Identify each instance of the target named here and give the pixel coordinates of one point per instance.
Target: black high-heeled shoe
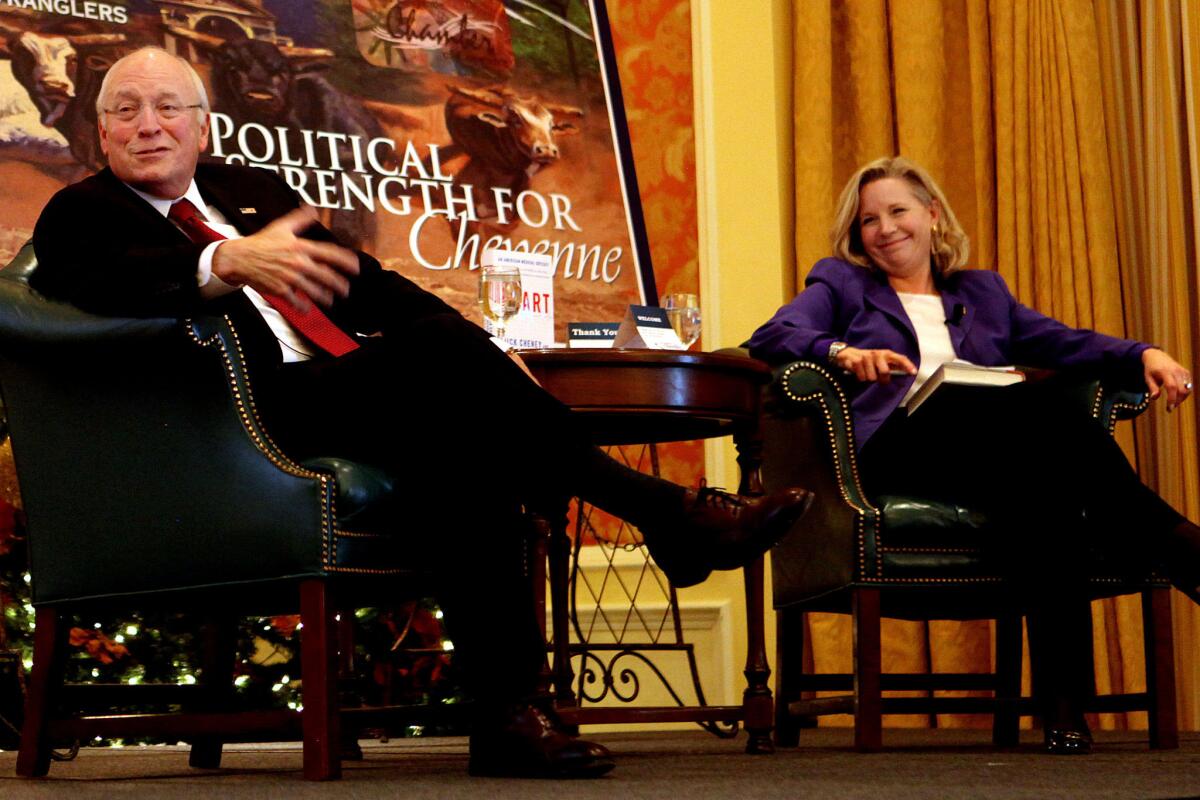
(1067, 742)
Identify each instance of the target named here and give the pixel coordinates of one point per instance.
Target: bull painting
(62, 74)
(507, 138)
(279, 86)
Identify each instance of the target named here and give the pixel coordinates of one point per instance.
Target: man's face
(155, 152)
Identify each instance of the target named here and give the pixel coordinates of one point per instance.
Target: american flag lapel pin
(250, 210)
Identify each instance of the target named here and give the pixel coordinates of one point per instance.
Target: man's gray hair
(197, 83)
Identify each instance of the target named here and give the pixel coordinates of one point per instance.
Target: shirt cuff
(210, 285)
(820, 348)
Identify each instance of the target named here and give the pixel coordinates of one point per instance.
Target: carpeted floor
(672, 766)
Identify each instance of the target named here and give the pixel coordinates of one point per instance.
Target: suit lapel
(259, 338)
(959, 317)
(881, 295)
(142, 215)
(884, 298)
(240, 212)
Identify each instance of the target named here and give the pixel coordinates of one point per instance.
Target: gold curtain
(1038, 117)
(1150, 75)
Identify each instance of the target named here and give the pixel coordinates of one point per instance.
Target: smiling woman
(895, 227)
(895, 305)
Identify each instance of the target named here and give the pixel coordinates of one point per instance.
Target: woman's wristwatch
(834, 349)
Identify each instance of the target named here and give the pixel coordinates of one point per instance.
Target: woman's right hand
(873, 365)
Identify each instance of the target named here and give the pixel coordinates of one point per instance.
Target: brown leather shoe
(718, 530)
(532, 743)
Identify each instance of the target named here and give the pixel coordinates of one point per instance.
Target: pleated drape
(1049, 124)
(1150, 68)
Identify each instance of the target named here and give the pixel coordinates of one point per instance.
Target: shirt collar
(164, 206)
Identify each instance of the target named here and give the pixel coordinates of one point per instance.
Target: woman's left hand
(1165, 374)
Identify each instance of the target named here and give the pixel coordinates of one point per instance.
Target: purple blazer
(844, 302)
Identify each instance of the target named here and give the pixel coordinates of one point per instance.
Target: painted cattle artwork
(280, 86)
(423, 131)
(61, 73)
(508, 139)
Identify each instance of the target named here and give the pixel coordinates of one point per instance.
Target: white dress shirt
(292, 345)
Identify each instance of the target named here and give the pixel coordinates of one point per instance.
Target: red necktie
(313, 324)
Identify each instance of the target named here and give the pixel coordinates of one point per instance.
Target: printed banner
(425, 131)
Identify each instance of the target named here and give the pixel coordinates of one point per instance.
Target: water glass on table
(683, 312)
(499, 295)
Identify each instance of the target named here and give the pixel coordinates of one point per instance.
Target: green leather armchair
(149, 481)
(912, 558)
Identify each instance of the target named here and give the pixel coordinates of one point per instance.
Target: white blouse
(928, 318)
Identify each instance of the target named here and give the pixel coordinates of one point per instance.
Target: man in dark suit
(401, 379)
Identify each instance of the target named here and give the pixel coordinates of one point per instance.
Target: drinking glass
(499, 295)
(683, 312)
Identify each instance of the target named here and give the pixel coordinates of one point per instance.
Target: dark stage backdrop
(425, 131)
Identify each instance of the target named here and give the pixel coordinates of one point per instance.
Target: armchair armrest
(142, 463)
(1115, 401)
(808, 440)
(1110, 397)
(804, 389)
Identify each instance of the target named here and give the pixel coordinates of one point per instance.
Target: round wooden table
(644, 396)
(655, 396)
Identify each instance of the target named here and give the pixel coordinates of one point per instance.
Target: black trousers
(471, 440)
(1054, 479)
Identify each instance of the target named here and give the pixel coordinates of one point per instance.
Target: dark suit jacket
(844, 302)
(105, 250)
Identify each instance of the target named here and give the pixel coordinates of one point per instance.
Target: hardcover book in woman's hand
(964, 373)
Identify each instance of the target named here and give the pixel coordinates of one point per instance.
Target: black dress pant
(1031, 458)
(1056, 482)
(470, 439)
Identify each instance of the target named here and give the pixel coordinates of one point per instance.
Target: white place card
(647, 327)
(591, 334)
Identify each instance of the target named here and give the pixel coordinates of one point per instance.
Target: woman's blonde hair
(949, 247)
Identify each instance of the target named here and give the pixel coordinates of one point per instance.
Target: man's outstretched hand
(277, 261)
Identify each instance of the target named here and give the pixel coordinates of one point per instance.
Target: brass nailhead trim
(248, 413)
(359, 534)
(369, 571)
(933, 580)
(819, 400)
(930, 550)
(1097, 402)
(1111, 423)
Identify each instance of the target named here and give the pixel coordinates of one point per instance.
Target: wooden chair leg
(756, 700)
(49, 645)
(559, 557)
(1160, 668)
(348, 696)
(789, 667)
(318, 670)
(537, 548)
(219, 650)
(1006, 719)
(868, 663)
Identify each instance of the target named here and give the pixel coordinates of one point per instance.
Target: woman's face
(896, 227)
